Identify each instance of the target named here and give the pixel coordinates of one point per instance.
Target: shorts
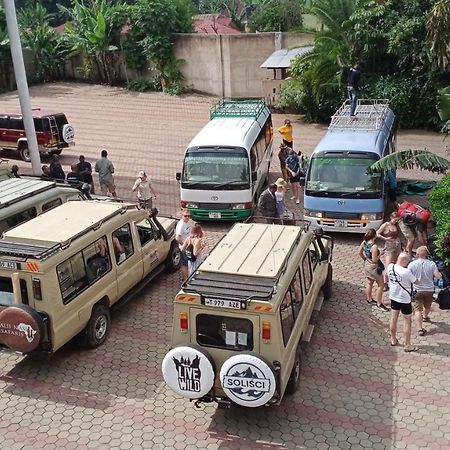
(423, 299)
(421, 226)
(409, 231)
(404, 308)
(107, 186)
(295, 179)
(184, 259)
(145, 204)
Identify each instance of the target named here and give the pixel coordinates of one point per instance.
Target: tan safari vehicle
(239, 319)
(61, 272)
(22, 199)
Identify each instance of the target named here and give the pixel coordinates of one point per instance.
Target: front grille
(342, 215)
(214, 206)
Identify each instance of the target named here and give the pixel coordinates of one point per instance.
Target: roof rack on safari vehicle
(238, 108)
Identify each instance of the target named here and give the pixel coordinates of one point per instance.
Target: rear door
(224, 332)
(150, 243)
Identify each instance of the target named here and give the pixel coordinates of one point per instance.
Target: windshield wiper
(192, 184)
(228, 183)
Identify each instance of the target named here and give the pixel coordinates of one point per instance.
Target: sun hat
(280, 183)
(142, 174)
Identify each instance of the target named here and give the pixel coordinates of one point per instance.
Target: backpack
(190, 253)
(413, 214)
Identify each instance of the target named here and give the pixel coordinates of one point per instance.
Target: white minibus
(226, 165)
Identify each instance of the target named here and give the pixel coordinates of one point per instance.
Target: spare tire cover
(21, 328)
(248, 379)
(189, 371)
(68, 133)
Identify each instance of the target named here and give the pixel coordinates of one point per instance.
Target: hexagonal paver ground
(356, 390)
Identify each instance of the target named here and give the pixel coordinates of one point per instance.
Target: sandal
(411, 349)
(426, 319)
(422, 332)
(369, 302)
(395, 343)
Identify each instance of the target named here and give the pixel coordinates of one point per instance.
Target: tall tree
(438, 32)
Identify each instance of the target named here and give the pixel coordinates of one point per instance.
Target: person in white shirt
(425, 271)
(144, 190)
(182, 232)
(401, 282)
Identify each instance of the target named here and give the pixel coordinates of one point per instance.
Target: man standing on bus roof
(354, 87)
(286, 133)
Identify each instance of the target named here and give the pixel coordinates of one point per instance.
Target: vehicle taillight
(249, 205)
(183, 321)
(266, 331)
(37, 292)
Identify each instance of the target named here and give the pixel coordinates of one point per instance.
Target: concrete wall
(228, 65)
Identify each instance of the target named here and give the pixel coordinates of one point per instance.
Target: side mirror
(178, 176)
(254, 176)
(302, 181)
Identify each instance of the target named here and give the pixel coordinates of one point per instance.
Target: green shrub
(440, 207)
(144, 84)
(412, 99)
(175, 88)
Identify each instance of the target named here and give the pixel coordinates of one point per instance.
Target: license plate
(219, 303)
(215, 215)
(9, 265)
(340, 223)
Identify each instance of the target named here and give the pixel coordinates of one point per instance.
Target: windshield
(216, 168)
(343, 174)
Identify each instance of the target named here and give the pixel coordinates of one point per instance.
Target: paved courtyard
(356, 390)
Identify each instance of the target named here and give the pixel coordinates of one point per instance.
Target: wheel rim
(100, 327)
(26, 154)
(176, 257)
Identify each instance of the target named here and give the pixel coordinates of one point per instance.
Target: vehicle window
(306, 272)
(224, 332)
(60, 120)
(51, 204)
(4, 122)
(21, 217)
(290, 308)
(261, 147)
(123, 243)
(16, 123)
(314, 254)
(6, 291)
(38, 124)
(24, 291)
(83, 269)
(268, 131)
(145, 230)
(253, 158)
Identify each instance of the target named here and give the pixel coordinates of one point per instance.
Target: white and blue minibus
(340, 194)
(226, 165)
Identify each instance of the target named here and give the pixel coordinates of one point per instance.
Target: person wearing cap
(144, 190)
(85, 169)
(105, 169)
(425, 271)
(279, 197)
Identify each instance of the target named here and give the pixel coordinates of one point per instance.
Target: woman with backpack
(193, 247)
(373, 268)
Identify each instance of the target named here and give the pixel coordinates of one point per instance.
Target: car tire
(327, 288)
(294, 379)
(25, 153)
(173, 260)
(98, 327)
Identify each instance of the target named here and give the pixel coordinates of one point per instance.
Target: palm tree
(438, 30)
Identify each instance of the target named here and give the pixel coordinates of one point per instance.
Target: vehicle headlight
(312, 213)
(371, 216)
(192, 205)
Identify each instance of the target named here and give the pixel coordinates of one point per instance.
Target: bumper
(227, 214)
(343, 226)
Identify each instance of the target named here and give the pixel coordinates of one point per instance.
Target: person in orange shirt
(286, 133)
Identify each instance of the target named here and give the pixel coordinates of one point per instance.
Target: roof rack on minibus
(370, 115)
(238, 108)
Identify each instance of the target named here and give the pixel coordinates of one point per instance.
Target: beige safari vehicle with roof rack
(61, 272)
(239, 319)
